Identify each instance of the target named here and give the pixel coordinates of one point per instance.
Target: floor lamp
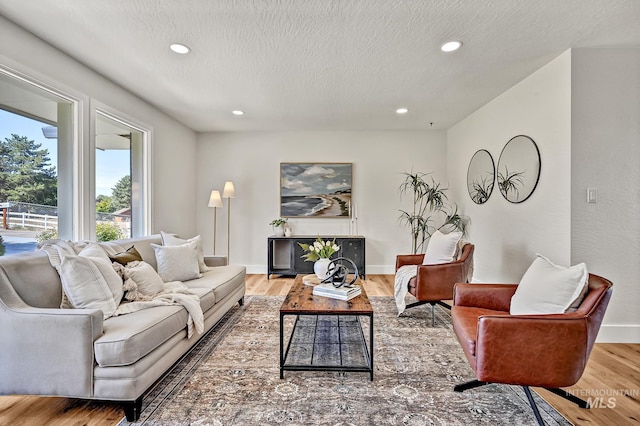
(228, 192)
(215, 201)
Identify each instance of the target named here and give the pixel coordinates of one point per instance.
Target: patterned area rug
(232, 378)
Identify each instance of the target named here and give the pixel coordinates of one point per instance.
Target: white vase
(320, 268)
(278, 231)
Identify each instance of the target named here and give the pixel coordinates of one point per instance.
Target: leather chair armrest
(435, 282)
(532, 350)
(408, 259)
(496, 297)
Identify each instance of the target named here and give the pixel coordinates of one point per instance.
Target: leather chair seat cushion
(465, 326)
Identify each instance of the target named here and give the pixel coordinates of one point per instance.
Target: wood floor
(612, 375)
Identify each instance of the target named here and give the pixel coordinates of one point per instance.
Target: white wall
(174, 145)
(507, 236)
(252, 161)
(605, 126)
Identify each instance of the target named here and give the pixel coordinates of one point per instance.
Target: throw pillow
(89, 280)
(177, 263)
(124, 257)
(142, 279)
(171, 240)
(546, 288)
(441, 248)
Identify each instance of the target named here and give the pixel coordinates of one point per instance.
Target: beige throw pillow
(177, 263)
(142, 282)
(172, 240)
(89, 280)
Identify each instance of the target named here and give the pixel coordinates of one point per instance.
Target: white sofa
(45, 350)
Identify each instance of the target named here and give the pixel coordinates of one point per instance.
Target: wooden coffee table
(327, 334)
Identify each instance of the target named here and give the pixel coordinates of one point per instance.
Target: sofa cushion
(127, 338)
(207, 298)
(223, 280)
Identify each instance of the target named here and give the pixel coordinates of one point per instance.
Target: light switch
(592, 195)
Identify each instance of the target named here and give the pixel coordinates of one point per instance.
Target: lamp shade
(214, 199)
(229, 191)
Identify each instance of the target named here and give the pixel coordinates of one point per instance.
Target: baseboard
(619, 333)
(371, 269)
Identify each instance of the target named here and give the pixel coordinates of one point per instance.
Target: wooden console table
(284, 254)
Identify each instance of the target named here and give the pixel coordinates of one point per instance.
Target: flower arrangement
(319, 250)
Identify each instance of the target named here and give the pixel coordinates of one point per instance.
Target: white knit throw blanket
(175, 293)
(401, 285)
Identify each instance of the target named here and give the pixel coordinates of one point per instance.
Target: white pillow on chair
(547, 288)
(441, 248)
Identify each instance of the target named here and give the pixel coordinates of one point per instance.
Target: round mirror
(518, 169)
(480, 176)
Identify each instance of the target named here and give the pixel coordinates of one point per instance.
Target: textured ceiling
(322, 64)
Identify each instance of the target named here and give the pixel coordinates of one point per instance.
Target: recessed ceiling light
(237, 112)
(451, 46)
(402, 111)
(180, 48)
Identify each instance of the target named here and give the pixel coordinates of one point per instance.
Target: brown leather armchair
(434, 283)
(548, 351)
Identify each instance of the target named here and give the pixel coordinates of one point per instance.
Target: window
(120, 179)
(36, 126)
(59, 164)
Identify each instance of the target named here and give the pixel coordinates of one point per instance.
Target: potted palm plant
(429, 204)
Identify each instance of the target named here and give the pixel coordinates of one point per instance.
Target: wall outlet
(592, 195)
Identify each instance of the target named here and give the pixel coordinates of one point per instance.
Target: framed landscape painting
(315, 189)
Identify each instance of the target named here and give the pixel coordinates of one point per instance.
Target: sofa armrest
(408, 259)
(532, 350)
(48, 351)
(215, 260)
(496, 297)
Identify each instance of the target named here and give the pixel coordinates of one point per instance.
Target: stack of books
(342, 293)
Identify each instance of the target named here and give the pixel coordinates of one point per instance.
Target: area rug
(232, 378)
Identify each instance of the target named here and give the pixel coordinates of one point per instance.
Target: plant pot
(278, 231)
(320, 268)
